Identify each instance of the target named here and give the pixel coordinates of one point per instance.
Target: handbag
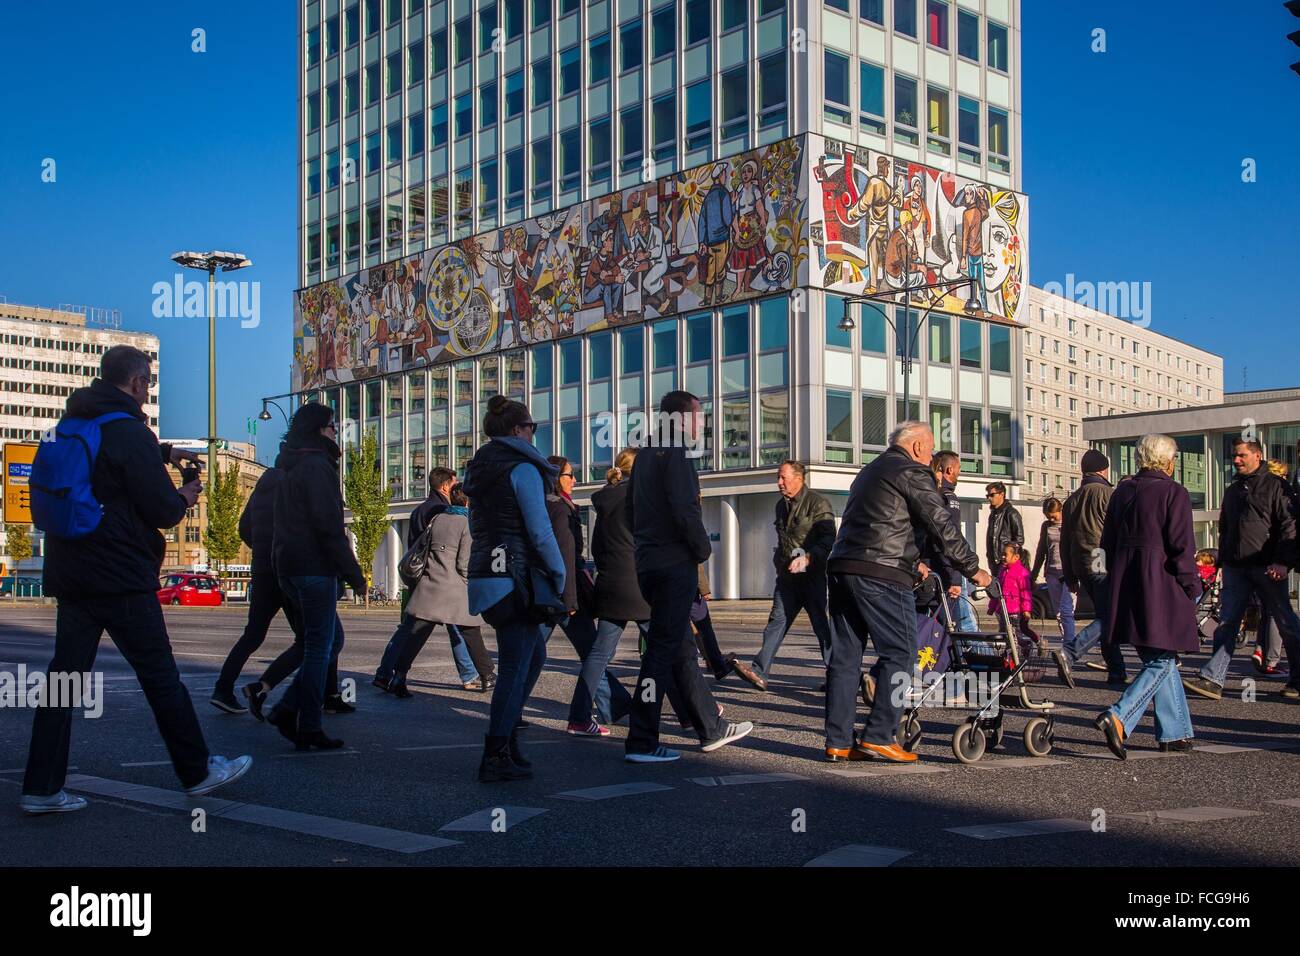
(411, 568)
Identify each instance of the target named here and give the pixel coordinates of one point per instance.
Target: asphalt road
(404, 792)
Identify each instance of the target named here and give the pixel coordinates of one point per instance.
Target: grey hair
(907, 431)
(1156, 451)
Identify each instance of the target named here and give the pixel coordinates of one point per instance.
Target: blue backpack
(63, 502)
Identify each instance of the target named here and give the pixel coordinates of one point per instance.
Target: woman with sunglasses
(311, 553)
(516, 572)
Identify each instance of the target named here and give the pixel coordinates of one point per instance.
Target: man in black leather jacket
(872, 570)
(1005, 525)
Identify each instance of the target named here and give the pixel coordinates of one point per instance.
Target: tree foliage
(366, 494)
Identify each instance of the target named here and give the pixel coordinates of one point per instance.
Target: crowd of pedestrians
(505, 546)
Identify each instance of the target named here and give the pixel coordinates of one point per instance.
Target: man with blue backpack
(100, 492)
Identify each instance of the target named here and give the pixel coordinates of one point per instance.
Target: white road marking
(737, 779)
(1188, 815)
(148, 763)
(1287, 803)
(1008, 763)
(483, 820)
(345, 831)
(868, 768)
(615, 790)
(1001, 831)
(860, 854)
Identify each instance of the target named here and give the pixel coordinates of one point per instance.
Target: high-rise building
(45, 355)
(1082, 363)
(586, 204)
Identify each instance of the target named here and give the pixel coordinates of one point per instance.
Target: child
(1016, 590)
(1205, 568)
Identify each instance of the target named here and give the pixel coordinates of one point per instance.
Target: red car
(192, 590)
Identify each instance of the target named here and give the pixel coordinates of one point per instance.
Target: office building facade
(585, 205)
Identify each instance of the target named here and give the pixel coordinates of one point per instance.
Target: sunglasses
(532, 425)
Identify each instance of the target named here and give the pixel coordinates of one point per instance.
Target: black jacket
(568, 535)
(257, 521)
(806, 522)
(1005, 527)
(949, 573)
(890, 500)
(618, 596)
(310, 539)
(1083, 517)
(663, 510)
(423, 513)
(1256, 521)
(124, 554)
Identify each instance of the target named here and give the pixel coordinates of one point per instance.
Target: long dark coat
(618, 597)
(1151, 563)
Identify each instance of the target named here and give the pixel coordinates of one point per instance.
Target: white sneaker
(61, 802)
(658, 755)
(221, 771)
(733, 733)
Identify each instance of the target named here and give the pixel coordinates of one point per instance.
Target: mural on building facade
(886, 224)
(732, 230)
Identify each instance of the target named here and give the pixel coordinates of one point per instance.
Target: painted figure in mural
(604, 279)
(1003, 257)
(716, 216)
(914, 220)
(876, 201)
(513, 267)
(651, 257)
(974, 203)
(611, 221)
(749, 228)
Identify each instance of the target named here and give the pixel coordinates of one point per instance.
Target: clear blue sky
(1132, 160)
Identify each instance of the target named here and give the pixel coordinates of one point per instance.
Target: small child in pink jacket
(1017, 591)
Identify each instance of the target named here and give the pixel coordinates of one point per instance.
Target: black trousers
(135, 624)
(265, 600)
(670, 661)
(417, 634)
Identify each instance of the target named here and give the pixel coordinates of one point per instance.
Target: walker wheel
(968, 742)
(1038, 736)
(909, 732)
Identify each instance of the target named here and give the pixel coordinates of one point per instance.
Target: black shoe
(256, 697)
(381, 682)
(485, 684)
(1203, 687)
(286, 722)
(516, 755)
(1116, 680)
(335, 704)
(397, 687)
(821, 688)
(1177, 746)
(1063, 669)
(496, 765)
(317, 739)
(1109, 724)
(225, 700)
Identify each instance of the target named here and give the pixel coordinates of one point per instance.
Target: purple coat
(1151, 563)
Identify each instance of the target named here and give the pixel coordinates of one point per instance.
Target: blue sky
(1132, 160)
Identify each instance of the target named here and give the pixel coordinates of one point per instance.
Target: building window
(632, 139)
(541, 12)
(839, 426)
(871, 98)
(1000, 349)
(836, 337)
(699, 115)
(999, 145)
(875, 427)
(735, 102)
(438, 53)
(905, 109)
(570, 159)
(570, 70)
(972, 351)
(872, 10)
(968, 35)
(542, 170)
(997, 46)
(968, 129)
(836, 88)
(542, 82)
(771, 90)
(599, 155)
(905, 17)
(697, 21)
(663, 31)
(598, 58)
(663, 128)
(936, 23)
(939, 139)
(940, 336)
(842, 5)
(514, 179)
(514, 94)
(487, 27)
(629, 46)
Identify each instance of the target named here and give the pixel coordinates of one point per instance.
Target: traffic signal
(1294, 7)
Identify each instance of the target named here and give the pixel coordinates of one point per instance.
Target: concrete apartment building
(1081, 363)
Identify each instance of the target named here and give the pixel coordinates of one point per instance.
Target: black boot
(317, 739)
(397, 687)
(496, 764)
(517, 756)
(284, 721)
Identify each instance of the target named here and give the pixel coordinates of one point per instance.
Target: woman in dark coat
(1151, 560)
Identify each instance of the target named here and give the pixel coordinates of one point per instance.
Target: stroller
(1209, 607)
(999, 657)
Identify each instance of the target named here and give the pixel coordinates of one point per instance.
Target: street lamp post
(909, 335)
(209, 262)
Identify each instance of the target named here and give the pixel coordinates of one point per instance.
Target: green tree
(19, 546)
(225, 501)
(366, 495)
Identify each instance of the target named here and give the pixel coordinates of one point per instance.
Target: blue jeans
(460, 654)
(596, 685)
(393, 651)
(866, 609)
(521, 652)
(315, 599)
(1157, 680)
(1098, 589)
(1238, 586)
(1064, 602)
(794, 593)
(962, 611)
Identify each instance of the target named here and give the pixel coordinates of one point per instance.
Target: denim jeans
(1064, 601)
(135, 623)
(1157, 680)
(265, 600)
(596, 684)
(670, 656)
(1238, 585)
(1098, 589)
(794, 593)
(410, 630)
(521, 653)
(962, 611)
(315, 599)
(866, 609)
(1268, 641)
